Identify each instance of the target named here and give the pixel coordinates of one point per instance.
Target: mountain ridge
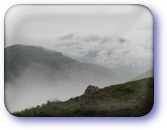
(33, 54)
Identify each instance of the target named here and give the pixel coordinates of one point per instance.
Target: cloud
(131, 56)
(68, 36)
(119, 37)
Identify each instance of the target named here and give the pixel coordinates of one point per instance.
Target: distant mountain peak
(147, 74)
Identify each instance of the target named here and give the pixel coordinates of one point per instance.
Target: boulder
(91, 90)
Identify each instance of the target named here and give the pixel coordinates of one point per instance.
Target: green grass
(131, 99)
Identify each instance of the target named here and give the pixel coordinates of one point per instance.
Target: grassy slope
(129, 99)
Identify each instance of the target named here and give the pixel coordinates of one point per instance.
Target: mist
(38, 84)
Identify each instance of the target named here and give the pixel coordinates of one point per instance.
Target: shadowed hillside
(130, 99)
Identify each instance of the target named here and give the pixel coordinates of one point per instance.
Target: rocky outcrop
(91, 90)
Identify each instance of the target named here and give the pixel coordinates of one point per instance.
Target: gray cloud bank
(38, 83)
(121, 55)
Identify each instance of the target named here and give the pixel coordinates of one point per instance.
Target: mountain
(147, 74)
(19, 57)
(131, 99)
(36, 75)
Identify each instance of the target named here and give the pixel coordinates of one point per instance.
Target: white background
(156, 119)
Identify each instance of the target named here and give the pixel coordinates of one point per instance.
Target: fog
(38, 84)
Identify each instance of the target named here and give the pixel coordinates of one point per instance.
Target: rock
(91, 90)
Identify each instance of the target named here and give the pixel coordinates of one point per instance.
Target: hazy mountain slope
(129, 99)
(149, 73)
(35, 75)
(19, 57)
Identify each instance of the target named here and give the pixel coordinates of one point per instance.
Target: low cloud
(117, 53)
(68, 36)
(120, 40)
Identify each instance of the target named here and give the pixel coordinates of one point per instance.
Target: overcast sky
(119, 37)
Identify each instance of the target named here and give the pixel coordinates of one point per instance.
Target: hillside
(34, 75)
(131, 99)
